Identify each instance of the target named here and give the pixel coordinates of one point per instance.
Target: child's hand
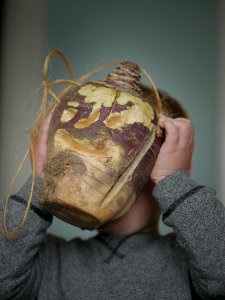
(176, 152)
(41, 146)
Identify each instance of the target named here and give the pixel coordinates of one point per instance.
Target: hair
(171, 107)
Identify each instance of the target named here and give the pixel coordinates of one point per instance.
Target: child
(128, 259)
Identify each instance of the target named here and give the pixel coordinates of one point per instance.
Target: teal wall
(176, 41)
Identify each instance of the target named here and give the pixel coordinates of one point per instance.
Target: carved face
(95, 134)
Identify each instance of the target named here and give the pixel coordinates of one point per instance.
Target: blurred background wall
(179, 42)
(221, 100)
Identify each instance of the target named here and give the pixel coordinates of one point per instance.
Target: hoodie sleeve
(22, 259)
(198, 220)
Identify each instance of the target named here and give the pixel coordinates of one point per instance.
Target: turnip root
(103, 142)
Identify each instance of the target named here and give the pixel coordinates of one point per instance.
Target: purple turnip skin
(103, 143)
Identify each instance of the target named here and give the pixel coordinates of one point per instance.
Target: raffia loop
(46, 64)
(158, 99)
(46, 106)
(105, 66)
(14, 233)
(47, 85)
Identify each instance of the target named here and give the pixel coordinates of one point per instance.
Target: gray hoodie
(185, 265)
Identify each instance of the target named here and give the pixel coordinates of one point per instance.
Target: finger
(172, 133)
(186, 132)
(181, 120)
(43, 136)
(47, 121)
(192, 139)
